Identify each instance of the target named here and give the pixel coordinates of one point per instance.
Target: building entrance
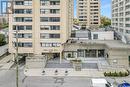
(56, 55)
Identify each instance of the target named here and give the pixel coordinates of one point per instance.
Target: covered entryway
(52, 55)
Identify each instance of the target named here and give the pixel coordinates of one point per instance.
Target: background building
(88, 13)
(43, 26)
(121, 17)
(3, 19)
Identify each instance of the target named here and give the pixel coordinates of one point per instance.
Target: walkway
(55, 63)
(6, 62)
(61, 72)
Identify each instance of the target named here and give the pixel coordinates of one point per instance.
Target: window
(28, 11)
(28, 19)
(19, 11)
(50, 44)
(28, 27)
(127, 25)
(101, 53)
(24, 44)
(80, 53)
(54, 11)
(128, 31)
(55, 19)
(19, 2)
(28, 2)
(23, 11)
(91, 53)
(54, 35)
(95, 36)
(50, 19)
(44, 27)
(24, 35)
(44, 11)
(44, 19)
(23, 19)
(54, 2)
(18, 27)
(44, 36)
(55, 27)
(22, 27)
(44, 2)
(47, 36)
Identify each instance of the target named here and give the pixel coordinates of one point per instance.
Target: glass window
(28, 2)
(95, 36)
(80, 53)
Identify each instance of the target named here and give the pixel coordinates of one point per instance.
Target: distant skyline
(105, 8)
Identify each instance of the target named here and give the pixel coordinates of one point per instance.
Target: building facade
(3, 19)
(43, 26)
(88, 13)
(102, 52)
(121, 16)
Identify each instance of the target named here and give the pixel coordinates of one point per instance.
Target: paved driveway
(89, 66)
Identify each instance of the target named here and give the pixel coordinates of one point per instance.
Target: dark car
(125, 84)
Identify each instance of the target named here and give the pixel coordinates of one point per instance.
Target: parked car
(101, 83)
(125, 84)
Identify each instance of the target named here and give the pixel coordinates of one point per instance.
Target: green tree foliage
(75, 21)
(105, 21)
(2, 40)
(3, 25)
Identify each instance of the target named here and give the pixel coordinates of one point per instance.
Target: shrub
(105, 74)
(116, 74)
(120, 74)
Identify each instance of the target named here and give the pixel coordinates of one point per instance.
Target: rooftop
(108, 43)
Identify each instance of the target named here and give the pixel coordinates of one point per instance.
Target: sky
(105, 7)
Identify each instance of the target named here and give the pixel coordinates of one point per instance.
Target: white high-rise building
(121, 16)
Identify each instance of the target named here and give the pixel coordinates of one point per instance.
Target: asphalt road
(7, 79)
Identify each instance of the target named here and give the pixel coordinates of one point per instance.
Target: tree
(2, 40)
(75, 21)
(105, 21)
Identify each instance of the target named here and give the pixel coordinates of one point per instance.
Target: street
(7, 79)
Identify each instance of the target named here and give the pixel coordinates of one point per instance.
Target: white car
(101, 83)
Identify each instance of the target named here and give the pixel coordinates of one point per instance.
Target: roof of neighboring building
(109, 43)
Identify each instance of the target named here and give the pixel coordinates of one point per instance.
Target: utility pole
(17, 45)
(17, 59)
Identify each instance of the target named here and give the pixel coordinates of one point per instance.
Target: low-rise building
(113, 52)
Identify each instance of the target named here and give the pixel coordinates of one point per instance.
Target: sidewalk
(6, 62)
(61, 72)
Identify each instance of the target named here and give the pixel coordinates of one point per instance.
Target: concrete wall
(36, 62)
(103, 35)
(118, 57)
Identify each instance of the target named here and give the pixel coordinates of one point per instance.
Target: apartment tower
(43, 26)
(121, 17)
(88, 13)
